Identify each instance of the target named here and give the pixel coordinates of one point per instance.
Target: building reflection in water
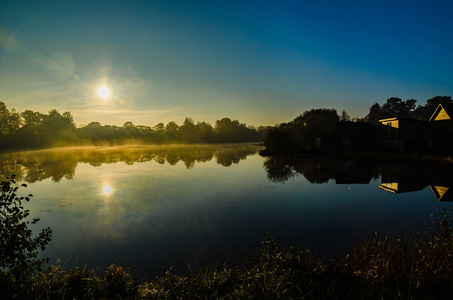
(395, 178)
(403, 179)
(442, 193)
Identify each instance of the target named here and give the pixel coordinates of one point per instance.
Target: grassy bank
(375, 269)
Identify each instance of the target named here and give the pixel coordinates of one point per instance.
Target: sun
(104, 92)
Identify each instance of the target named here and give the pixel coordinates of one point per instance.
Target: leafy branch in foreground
(18, 248)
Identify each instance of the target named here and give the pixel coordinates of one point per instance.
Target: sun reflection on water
(107, 190)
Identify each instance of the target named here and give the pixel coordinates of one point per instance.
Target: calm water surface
(152, 208)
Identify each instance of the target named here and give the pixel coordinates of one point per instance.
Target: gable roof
(401, 119)
(446, 108)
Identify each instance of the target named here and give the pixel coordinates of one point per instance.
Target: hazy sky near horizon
(261, 62)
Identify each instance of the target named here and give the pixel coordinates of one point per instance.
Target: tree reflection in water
(32, 166)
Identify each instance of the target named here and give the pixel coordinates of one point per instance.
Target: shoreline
(378, 157)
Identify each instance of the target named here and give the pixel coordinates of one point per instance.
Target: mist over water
(151, 208)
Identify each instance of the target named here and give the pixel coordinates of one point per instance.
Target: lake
(156, 207)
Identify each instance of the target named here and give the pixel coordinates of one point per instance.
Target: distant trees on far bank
(31, 129)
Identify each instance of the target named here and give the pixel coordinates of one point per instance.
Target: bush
(18, 248)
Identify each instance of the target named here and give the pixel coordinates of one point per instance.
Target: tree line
(300, 134)
(396, 107)
(29, 130)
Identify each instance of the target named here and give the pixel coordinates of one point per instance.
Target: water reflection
(155, 215)
(395, 178)
(107, 190)
(56, 164)
(321, 171)
(399, 179)
(442, 193)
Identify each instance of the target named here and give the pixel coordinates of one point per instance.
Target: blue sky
(261, 62)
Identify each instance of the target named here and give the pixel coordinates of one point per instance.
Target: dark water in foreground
(151, 208)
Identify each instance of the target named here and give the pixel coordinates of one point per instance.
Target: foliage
(18, 248)
(81, 282)
(300, 134)
(36, 130)
(344, 117)
(279, 139)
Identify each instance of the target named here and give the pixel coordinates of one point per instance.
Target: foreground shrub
(18, 248)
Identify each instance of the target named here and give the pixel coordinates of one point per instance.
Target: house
(349, 134)
(441, 123)
(406, 135)
(399, 179)
(355, 133)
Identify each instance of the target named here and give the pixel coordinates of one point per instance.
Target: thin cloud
(62, 65)
(8, 40)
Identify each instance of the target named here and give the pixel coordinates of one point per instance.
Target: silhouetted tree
(4, 118)
(279, 139)
(344, 116)
(312, 124)
(375, 114)
(233, 131)
(395, 107)
(205, 132)
(14, 122)
(300, 134)
(188, 131)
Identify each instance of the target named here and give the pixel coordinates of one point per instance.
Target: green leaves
(18, 247)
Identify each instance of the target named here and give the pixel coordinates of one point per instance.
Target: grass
(378, 268)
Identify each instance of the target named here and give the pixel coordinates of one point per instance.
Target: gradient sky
(261, 62)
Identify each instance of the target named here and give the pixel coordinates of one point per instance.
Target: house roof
(447, 107)
(401, 118)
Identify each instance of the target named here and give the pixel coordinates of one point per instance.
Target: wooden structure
(399, 179)
(406, 134)
(349, 134)
(441, 123)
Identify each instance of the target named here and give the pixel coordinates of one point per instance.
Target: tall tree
(4, 118)
(344, 116)
(315, 123)
(375, 114)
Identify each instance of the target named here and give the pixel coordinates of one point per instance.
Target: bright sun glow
(107, 190)
(104, 92)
